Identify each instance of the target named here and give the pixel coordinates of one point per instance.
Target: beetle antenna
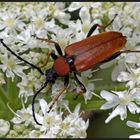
(33, 101)
(39, 70)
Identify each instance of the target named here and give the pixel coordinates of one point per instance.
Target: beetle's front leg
(66, 82)
(54, 57)
(57, 47)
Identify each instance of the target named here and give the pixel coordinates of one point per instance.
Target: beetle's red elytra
(95, 49)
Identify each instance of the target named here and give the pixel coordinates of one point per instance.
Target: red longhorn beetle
(79, 57)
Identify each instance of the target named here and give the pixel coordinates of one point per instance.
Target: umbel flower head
(54, 124)
(120, 101)
(64, 23)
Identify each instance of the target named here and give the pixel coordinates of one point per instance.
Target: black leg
(112, 57)
(79, 83)
(35, 67)
(66, 82)
(119, 53)
(33, 102)
(57, 47)
(82, 87)
(54, 56)
(93, 28)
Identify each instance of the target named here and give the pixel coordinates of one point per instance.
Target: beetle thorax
(61, 66)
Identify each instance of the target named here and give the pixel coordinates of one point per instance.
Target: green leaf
(9, 95)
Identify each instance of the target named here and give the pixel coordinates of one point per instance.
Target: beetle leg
(54, 56)
(93, 28)
(66, 82)
(25, 61)
(81, 86)
(57, 47)
(130, 51)
(119, 53)
(112, 57)
(46, 60)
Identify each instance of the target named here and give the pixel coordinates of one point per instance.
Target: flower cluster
(54, 124)
(65, 23)
(127, 70)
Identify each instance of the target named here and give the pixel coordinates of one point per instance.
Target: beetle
(79, 57)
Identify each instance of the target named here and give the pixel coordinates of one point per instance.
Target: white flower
(4, 127)
(122, 100)
(38, 19)
(136, 126)
(79, 128)
(29, 83)
(54, 125)
(25, 37)
(63, 36)
(132, 77)
(133, 58)
(48, 120)
(34, 134)
(10, 65)
(76, 5)
(22, 116)
(57, 11)
(10, 22)
(74, 125)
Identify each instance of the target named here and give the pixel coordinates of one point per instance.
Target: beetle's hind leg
(112, 57)
(118, 54)
(103, 27)
(82, 87)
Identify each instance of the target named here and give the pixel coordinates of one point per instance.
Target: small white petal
(84, 14)
(74, 6)
(119, 110)
(135, 136)
(132, 107)
(44, 106)
(77, 109)
(109, 105)
(124, 76)
(107, 95)
(4, 127)
(133, 124)
(131, 58)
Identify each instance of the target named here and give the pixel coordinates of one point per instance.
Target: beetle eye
(70, 61)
